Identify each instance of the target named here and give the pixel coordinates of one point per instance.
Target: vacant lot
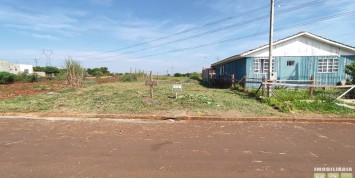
(134, 98)
(107, 96)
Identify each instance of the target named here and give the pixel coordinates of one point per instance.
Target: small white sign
(177, 88)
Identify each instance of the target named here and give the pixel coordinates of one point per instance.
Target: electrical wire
(210, 31)
(247, 36)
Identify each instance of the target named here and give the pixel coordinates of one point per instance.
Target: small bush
(129, 78)
(6, 78)
(32, 78)
(23, 77)
(195, 76)
(177, 75)
(133, 77)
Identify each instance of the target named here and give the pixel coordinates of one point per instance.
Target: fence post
(263, 83)
(269, 89)
(233, 82)
(311, 87)
(245, 83)
(151, 87)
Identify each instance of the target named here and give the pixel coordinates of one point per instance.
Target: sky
(163, 36)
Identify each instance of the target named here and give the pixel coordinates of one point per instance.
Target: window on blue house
(290, 63)
(328, 65)
(261, 65)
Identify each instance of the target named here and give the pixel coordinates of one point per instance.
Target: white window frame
(328, 65)
(261, 65)
(221, 70)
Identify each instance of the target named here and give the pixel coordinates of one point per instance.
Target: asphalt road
(134, 148)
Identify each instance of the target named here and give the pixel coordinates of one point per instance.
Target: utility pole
(48, 54)
(271, 46)
(35, 59)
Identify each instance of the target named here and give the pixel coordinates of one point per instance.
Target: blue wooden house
(297, 57)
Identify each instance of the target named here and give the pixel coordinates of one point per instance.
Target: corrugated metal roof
(317, 37)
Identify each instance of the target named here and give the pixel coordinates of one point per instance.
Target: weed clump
(75, 72)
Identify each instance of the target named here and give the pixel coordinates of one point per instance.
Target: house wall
(238, 68)
(25, 68)
(15, 68)
(303, 69)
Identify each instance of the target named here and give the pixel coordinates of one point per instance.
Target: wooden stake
(263, 87)
(311, 87)
(151, 87)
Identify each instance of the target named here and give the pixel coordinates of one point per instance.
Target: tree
(177, 75)
(350, 70)
(97, 72)
(49, 70)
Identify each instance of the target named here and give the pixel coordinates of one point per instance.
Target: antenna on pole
(270, 73)
(48, 54)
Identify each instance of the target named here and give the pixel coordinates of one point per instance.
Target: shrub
(350, 70)
(133, 77)
(23, 77)
(129, 78)
(6, 78)
(97, 73)
(32, 78)
(195, 76)
(177, 75)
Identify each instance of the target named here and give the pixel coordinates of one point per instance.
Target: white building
(6, 66)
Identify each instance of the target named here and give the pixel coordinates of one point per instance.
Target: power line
(248, 36)
(182, 32)
(226, 27)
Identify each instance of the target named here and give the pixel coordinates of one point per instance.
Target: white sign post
(177, 88)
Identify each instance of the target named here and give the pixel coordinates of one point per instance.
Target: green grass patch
(323, 101)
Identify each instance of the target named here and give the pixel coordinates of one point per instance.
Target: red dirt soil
(27, 89)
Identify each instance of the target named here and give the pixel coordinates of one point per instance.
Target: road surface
(136, 148)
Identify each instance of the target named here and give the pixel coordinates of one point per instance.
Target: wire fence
(313, 92)
(298, 90)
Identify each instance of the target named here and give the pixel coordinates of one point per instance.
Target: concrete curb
(335, 119)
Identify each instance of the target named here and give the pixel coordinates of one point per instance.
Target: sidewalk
(333, 119)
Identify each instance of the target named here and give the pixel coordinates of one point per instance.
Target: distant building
(208, 75)
(6, 66)
(297, 57)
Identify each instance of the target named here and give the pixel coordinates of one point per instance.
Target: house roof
(310, 35)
